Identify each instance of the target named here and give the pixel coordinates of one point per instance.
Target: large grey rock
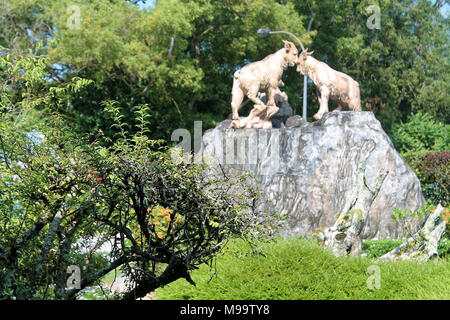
(310, 171)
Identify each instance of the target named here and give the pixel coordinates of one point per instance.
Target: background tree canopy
(402, 68)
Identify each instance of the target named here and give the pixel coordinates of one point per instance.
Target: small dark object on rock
(295, 122)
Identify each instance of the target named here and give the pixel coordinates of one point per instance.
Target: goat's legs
(355, 104)
(252, 94)
(259, 105)
(272, 109)
(237, 98)
(355, 98)
(324, 95)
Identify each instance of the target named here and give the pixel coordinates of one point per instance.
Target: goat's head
(291, 53)
(301, 59)
(304, 55)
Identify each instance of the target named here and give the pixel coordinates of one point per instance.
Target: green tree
(402, 68)
(421, 133)
(126, 52)
(179, 56)
(425, 143)
(58, 192)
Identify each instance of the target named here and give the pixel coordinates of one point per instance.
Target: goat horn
(293, 36)
(300, 43)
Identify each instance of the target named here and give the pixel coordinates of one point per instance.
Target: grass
(295, 269)
(110, 277)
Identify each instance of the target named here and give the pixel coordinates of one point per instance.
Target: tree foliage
(402, 68)
(179, 56)
(421, 132)
(425, 145)
(58, 193)
(126, 52)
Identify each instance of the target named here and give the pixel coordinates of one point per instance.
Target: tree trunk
(345, 236)
(171, 274)
(424, 243)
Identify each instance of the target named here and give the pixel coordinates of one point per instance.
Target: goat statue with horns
(330, 84)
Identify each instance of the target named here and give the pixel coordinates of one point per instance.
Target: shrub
(421, 132)
(59, 191)
(377, 248)
(425, 144)
(432, 169)
(444, 245)
(165, 218)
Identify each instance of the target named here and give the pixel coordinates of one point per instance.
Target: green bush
(377, 248)
(432, 169)
(425, 143)
(444, 244)
(421, 132)
(294, 269)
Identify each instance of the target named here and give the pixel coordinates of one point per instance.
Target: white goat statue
(330, 84)
(264, 75)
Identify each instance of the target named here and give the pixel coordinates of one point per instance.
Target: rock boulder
(309, 170)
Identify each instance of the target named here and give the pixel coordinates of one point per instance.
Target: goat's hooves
(235, 124)
(267, 125)
(272, 111)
